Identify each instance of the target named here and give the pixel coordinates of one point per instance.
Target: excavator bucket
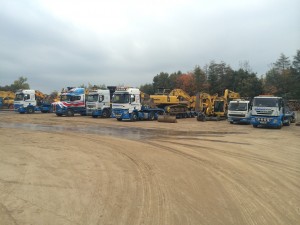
(167, 119)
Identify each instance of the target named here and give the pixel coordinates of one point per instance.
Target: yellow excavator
(7, 99)
(163, 100)
(221, 103)
(204, 105)
(175, 102)
(184, 98)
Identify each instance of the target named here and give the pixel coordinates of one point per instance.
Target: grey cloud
(53, 54)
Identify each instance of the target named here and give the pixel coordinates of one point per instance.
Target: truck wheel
(133, 117)
(288, 123)
(280, 125)
(30, 110)
(119, 119)
(95, 116)
(70, 113)
(255, 126)
(58, 114)
(151, 116)
(105, 113)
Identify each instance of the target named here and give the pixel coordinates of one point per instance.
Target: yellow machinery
(40, 97)
(175, 102)
(7, 99)
(205, 103)
(184, 98)
(162, 98)
(221, 103)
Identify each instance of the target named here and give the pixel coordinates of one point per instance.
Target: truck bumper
(60, 111)
(266, 121)
(238, 120)
(20, 110)
(121, 114)
(97, 113)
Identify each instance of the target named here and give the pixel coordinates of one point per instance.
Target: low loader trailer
(127, 105)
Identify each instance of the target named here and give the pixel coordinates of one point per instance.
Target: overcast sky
(60, 43)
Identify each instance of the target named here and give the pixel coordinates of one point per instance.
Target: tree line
(282, 79)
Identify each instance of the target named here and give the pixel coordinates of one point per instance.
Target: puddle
(131, 133)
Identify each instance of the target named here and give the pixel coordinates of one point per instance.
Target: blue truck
(71, 102)
(269, 111)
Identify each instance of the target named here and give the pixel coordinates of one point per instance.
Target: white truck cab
(239, 111)
(25, 101)
(98, 103)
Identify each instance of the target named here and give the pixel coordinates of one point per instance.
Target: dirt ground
(81, 170)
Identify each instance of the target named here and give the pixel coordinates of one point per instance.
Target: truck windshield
(234, 106)
(121, 98)
(265, 102)
(65, 98)
(19, 97)
(92, 98)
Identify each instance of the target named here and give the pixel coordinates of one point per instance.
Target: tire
(70, 113)
(288, 123)
(30, 110)
(133, 117)
(105, 113)
(151, 116)
(10, 107)
(280, 125)
(201, 117)
(255, 126)
(95, 116)
(119, 119)
(231, 122)
(58, 114)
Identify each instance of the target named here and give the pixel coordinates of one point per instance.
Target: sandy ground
(80, 170)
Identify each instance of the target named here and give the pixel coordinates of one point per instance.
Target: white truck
(269, 111)
(128, 105)
(98, 103)
(30, 101)
(239, 111)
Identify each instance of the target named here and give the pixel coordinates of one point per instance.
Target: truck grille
(237, 115)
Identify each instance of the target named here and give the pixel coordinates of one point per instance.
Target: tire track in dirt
(242, 193)
(153, 199)
(254, 157)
